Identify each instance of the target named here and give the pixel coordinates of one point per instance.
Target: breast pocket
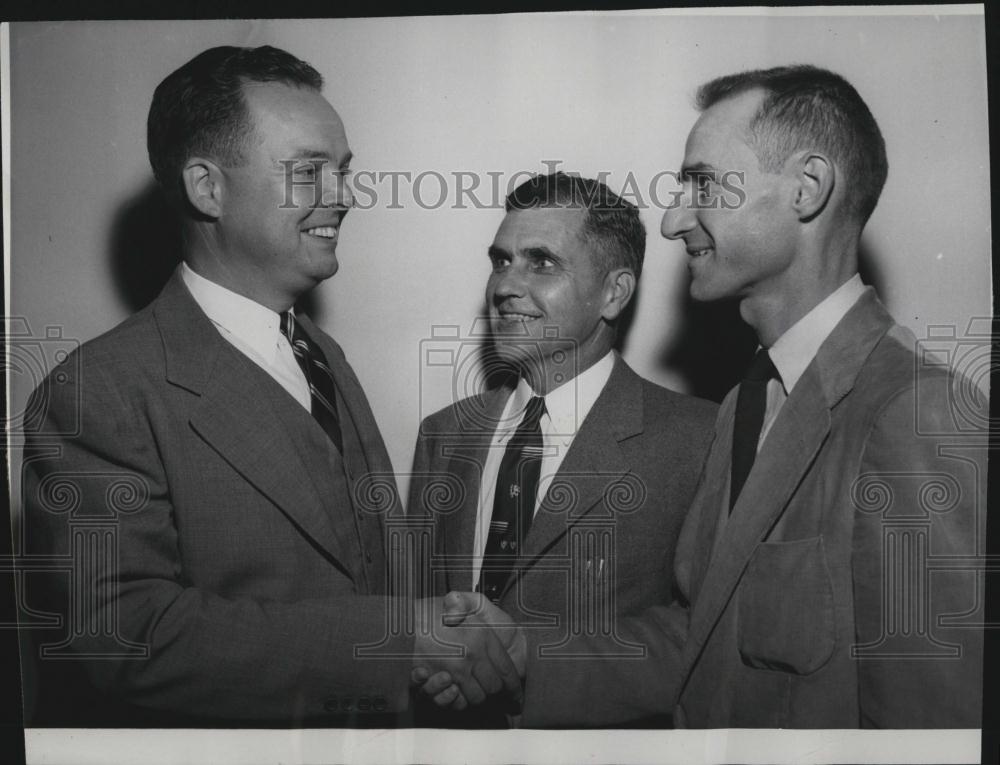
(785, 608)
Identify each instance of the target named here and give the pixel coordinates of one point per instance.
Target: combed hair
(200, 110)
(612, 225)
(808, 107)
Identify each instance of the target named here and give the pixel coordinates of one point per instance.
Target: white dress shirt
(252, 329)
(566, 407)
(797, 347)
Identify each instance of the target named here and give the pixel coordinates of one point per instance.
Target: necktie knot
(533, 411)
(761, 369)
(286, 325)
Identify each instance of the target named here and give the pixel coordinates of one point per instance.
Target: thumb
(458, 606)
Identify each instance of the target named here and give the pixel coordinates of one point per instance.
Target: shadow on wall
(870, 269)
(145, 246)
(713, 349)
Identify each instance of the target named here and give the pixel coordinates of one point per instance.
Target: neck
(552, 375)
(207, 258)
(821, 266)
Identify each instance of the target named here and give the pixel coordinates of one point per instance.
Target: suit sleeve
(919, 519)
(199, 653)
(595, 687)
(423, 528)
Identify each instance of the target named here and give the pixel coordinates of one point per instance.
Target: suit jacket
(602, 541)
(844, 590)
(225, 560)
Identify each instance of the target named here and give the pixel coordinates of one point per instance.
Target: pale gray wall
(480, 94)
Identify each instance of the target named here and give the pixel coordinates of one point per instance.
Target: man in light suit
(828, 566)
(210, 469)
(620, 455)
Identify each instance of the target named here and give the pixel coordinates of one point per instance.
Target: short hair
(612, 225)
(200, 108)
(808, 107)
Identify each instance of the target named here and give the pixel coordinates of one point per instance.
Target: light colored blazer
(248, 560)
(842, 592)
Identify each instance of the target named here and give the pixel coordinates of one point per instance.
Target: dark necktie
(513, 501)
(750, 405)
(322, 389)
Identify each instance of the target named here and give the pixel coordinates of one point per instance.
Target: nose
(679, 217)
(338, 191)
(346, 192)
(505, 282)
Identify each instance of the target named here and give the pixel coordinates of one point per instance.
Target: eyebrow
(695, 168)
(532, 253)
(536, 253)
(321, 154)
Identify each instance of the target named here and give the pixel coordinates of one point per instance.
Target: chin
(327, 269)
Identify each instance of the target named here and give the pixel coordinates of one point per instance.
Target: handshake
(466, 649)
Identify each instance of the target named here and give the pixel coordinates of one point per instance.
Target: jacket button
(368, 557)
(330, 704)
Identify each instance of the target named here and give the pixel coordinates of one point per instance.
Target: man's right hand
(483, 666)
(474, 612)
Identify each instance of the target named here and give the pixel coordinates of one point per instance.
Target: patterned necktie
(322, 389)
(513, 501)
(750, 405)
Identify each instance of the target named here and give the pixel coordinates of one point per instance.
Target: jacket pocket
(785, 610)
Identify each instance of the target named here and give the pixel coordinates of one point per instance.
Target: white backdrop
(480, 94)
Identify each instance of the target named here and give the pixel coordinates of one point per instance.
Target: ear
(619, 287)
(203, 185)
(816, 176)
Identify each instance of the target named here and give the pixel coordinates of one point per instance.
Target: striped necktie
(322, 388)
(513, 501)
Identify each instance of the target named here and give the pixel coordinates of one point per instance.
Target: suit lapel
(693, 563)
(787, 453)
(234, 414)
(594, 463)
(466, 457)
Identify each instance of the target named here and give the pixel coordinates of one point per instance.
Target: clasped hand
(466, 649)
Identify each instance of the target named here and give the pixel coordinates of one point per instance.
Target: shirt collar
(249, 321)
(797, 347)
(568, 405)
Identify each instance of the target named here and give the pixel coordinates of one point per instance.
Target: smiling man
(827, 569)
(225, 445)
(574, 477)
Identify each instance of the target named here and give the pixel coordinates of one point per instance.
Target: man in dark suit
(828, 567)
(210, 469)
(618, 457)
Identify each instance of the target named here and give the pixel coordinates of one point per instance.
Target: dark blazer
(243, 558)
(602, 542)
(842, 592)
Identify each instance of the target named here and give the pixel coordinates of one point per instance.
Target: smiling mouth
(323, 232)
(699, 252)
